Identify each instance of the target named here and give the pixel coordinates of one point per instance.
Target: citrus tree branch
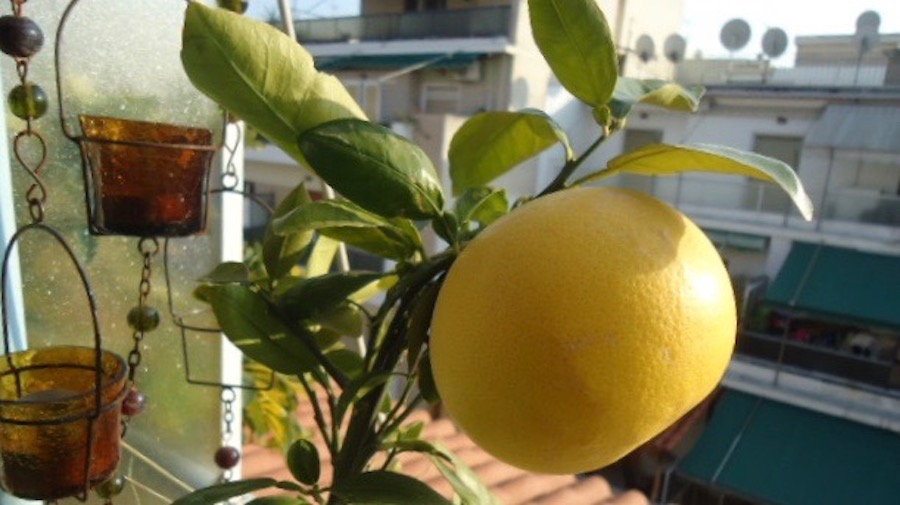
(571, 166)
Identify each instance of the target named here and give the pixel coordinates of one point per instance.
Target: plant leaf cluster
(292, 313)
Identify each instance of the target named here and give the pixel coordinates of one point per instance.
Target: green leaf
(220, 492)
(227, 273)
(386, 488)
(465, 482)
(303, 461)
(427, 386)
(376, 168)
(322, 256)
(283, 252)
(261, 75)
(345, 319)
(278, 500)
(412, 445)
(492, 143)
(358, 388)
(252, 325)
(349, 362)
(482, 206)
(664, 159)
(345, 221)
(316, 295)
(577, 43)
(666, 94)
(420, 322)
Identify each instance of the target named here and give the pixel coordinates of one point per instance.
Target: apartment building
(809, 411)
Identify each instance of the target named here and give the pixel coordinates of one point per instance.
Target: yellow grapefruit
(579, 326)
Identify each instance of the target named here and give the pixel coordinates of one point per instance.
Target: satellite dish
(774, 42)
(645, 48)
(735, 34)
(868, 22)
(674, 47)
(867, 31)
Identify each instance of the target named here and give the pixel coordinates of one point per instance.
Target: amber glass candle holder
(55, 439)
(145, 179)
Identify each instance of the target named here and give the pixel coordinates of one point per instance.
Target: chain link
(148, 247)
(228, 398)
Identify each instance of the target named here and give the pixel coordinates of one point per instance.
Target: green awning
(777, 453)
(396, 61)
(858, 286)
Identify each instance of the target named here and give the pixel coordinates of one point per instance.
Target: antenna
(674, 47)
(735, 34)
(645, 48)
(774, 42)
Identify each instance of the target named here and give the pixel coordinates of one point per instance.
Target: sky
(703, 19)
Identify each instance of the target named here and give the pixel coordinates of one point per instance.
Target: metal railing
(820, 361)
(454, 23)
(860, 206)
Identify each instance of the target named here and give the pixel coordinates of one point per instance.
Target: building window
(765, 197)
(441, 98)
(786, 149)
(636, 139)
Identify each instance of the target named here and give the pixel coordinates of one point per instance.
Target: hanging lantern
(60, 408)
(141, 178)
(145, 179)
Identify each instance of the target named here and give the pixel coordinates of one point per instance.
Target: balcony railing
(820, 361)
(863, 206)
(455, 23)
(751, 200)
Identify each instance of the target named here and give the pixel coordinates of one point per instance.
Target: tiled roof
(511, 485)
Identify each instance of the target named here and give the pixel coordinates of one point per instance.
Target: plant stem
(361, 440)
(319, 416)
(569, 168)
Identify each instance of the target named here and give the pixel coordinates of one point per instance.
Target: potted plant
(389, 194)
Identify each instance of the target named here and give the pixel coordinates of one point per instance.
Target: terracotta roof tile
(511, 485)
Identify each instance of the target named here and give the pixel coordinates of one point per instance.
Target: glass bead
(134, 403)
(143, 318)
(227, 457)
(28, 101)
(111, 488)
(20, 37)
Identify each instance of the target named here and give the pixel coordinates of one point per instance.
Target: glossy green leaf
(386, 488)
(665, 94)
(283, 252)
(227, 273)
(349, 362)
(316, 295)
(576, 41)
(482, 205)
(427, 386)
(252, 325)
(303, 461)
(278, 500)
(492, 143)
(345, 319)
(663, 159)
(322, 255)
(347, 222)
(465, 482)
(376, 168)
(220, 492)
(261, 75)
(420, 322)
(360, 387)
(412, 445)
